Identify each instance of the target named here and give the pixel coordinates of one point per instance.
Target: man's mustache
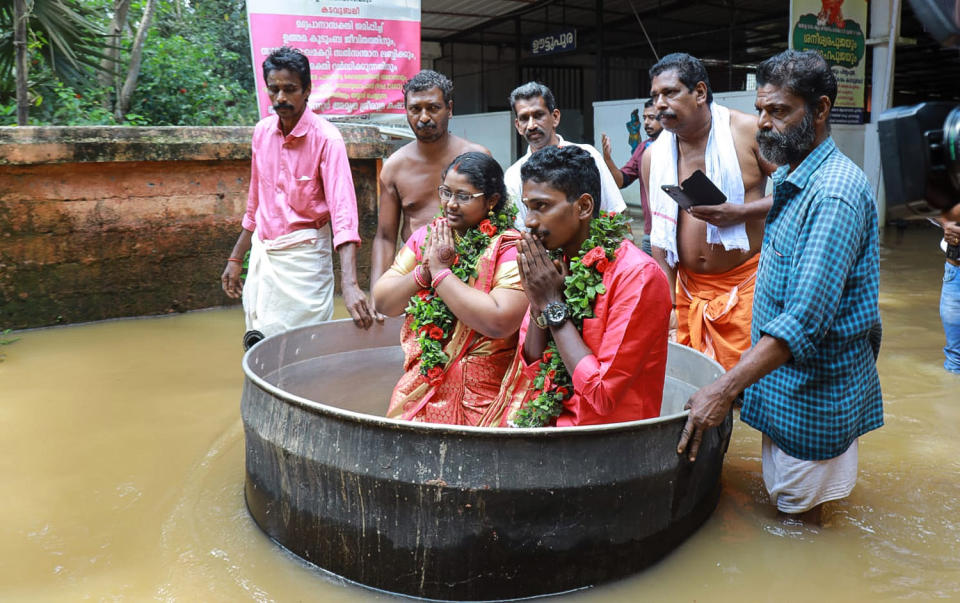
(424, 126)
(532, 132)
(663, 114)
(766, 136)
(279, 106)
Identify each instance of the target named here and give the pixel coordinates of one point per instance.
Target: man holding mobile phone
(709, 252)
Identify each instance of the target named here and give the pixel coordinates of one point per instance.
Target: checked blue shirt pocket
(774, 273)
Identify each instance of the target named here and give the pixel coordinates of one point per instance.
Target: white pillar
(884, 32)
(429, 53)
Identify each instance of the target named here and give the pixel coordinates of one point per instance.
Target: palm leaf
(70, 37)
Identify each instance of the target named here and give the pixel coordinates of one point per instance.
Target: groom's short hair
(569, 169)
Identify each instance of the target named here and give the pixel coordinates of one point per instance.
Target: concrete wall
(103, 222)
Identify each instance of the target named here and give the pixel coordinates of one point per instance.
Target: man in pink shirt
(301, 189)
(618, 361)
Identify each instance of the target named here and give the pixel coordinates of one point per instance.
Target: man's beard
(791, 146)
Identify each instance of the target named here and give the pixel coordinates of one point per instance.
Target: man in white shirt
(537, 118)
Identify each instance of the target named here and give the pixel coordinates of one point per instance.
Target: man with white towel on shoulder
(710, 252)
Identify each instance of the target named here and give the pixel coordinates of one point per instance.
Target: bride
(458, 283)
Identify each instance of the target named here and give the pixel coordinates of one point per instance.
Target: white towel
(289, 281)
(723, 169)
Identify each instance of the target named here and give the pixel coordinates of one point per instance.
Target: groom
(617, 363)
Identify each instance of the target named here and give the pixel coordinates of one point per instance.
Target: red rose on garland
(601, 265)
(434, 375)
(436, 333)
(563, 391)
(424, 294)
(593, 256)
(487, 228)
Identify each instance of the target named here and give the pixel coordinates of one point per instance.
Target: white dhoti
(796, 486)
(289, 281)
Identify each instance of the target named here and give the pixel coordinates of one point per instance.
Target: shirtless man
(713, 283)
(410, 177)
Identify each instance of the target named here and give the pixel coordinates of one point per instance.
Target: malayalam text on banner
(360, 52)
(836, 29)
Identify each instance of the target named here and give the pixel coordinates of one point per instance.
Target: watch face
(555, 313)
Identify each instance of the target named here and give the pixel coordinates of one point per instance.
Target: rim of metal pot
(386, 422)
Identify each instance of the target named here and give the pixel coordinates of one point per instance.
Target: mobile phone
(695, 190)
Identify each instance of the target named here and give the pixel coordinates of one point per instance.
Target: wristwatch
(554, 314)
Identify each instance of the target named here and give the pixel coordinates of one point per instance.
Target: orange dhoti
(714, 311)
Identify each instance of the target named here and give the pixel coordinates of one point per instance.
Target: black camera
(920, 144)
(920, 152)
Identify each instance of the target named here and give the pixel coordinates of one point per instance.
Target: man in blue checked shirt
(810, 376)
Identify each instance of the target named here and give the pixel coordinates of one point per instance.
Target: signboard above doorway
(554, 42)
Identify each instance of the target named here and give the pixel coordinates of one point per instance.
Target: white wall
(610, 118)
(849, 139)
(493, 130)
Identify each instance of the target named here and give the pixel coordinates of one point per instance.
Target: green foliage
(552, 386)
(54, 102)
(196, 67)
(67, 33)
(181, 85)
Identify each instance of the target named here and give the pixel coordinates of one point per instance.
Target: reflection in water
(122, 462)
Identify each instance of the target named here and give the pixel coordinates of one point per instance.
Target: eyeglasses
(446, 194)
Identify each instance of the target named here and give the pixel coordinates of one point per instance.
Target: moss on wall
(104, 222)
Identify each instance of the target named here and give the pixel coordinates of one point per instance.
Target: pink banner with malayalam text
(358, 65)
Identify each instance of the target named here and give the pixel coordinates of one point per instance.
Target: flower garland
(553, 383)
(432, 319)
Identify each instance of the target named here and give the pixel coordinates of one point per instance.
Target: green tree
(195, 68)
(65, 32)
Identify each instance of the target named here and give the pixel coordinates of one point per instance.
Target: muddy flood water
(122, 475)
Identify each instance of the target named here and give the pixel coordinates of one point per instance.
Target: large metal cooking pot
(447, 512)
